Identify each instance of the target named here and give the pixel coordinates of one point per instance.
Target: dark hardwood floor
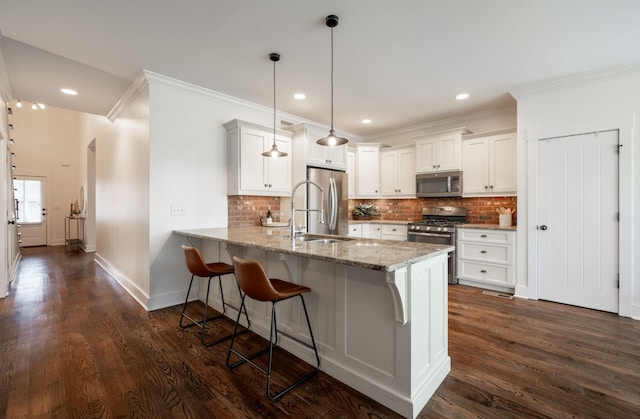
(73, 344)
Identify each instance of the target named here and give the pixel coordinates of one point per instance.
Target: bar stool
(198, 267)
(257, 285)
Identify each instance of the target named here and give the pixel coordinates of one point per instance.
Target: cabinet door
(375, 231)
(335, 157)
(475, 166)
(351, 173)
(368, 166)
(425, 155)
(502, 164)
(279, 169)
(252, 163)
(448, 153)
(389, 173)
(355, 230)
(324, 156)
(406, 172)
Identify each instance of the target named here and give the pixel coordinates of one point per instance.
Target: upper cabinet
(398, 172)
(313, 154)
(439, 152)
(250, 173)
(489, 163)
(351, 171)
(368, 170)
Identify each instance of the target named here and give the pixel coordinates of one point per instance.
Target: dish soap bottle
(269, 217)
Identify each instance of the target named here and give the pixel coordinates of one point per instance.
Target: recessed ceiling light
(69, 91)
(366, 121)
(299, 96)
(462, 96)
(41, 105)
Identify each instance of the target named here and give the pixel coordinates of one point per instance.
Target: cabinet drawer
(485, 252)
(484, 272)
(486, 236)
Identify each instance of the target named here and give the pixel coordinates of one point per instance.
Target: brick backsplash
(245, 211)
(479, 210)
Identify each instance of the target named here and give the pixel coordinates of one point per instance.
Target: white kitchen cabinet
(355, 230)
(439, 152)
(393, 232)
(351, 171)
(486, 257)
(375, 231)
(368, 170)
(250, 173)
(489, 164)
(398, 172)
(311, 153)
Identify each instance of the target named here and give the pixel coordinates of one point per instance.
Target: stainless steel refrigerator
(335, 201)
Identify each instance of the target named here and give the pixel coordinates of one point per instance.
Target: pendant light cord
(274, 102)
(332, 79)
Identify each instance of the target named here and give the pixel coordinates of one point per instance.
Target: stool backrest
(195, 262)
(254, 280)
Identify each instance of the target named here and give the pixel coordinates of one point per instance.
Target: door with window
(31, 216)
(577, 220)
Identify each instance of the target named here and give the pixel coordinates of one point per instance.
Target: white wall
(609, 102)
(479, 122)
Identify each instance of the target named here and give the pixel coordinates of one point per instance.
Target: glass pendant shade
(332, 139)
(274, 152)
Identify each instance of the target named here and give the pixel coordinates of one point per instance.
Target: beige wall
(47, 143)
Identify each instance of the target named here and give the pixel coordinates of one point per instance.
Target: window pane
(28, 194)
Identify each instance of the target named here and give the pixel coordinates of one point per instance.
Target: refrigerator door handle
(333, 199)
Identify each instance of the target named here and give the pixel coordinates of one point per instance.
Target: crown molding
(580, 79)
(447, 121)
(137, 87)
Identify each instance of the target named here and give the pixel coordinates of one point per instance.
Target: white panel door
(577, 220)
(31, 196)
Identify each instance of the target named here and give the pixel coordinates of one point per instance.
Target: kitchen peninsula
(378, 308)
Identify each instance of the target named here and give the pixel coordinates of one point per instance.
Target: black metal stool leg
(184, 306)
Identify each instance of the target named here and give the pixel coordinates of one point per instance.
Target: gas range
(439, 219)
(438, 226)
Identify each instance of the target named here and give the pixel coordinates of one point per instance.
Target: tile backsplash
(245, 211)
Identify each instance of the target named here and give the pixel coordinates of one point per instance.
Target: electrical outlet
(281, 256)
(177, 210)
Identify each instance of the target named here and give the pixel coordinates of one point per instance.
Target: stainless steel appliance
(438, 226)
(429, 185)
(334, 184)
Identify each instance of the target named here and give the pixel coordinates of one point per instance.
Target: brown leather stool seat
(198, 267)
(255, 283)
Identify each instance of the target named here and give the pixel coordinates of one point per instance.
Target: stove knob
(412, 227)
(439, 229)
(417, 227)
(428, 228)
(445, 229)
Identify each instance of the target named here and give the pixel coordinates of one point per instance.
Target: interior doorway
(577, 220)
(30, 194)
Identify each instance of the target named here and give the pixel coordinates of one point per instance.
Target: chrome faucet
(293, 208)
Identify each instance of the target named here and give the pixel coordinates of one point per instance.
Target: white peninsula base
(382, 333)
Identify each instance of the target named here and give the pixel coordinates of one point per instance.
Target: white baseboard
(141, 297)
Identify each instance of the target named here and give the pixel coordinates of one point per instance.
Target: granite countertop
(380, 255)
(487, 227)
(380, 222)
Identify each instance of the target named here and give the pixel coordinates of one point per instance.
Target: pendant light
(274, 152)
(332, 139)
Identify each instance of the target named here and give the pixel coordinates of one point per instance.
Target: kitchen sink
(314, 238)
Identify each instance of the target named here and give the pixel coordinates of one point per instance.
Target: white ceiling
(399, 63)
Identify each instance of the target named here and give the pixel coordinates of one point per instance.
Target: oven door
(438, 238)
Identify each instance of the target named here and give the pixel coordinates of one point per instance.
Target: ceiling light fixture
(70, 92)
(299, 96)
(332, 139)
(366, 121)
(462, 96)
(41, 105)
(19, 104)
(274, 152)
(34, 106)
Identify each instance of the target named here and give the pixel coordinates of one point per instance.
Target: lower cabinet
(355, 230)
(486, 257)
(393, 232)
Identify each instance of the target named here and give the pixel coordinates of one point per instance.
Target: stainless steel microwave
(433, 185)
